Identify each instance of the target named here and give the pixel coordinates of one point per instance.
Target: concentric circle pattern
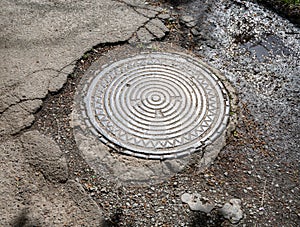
(157, 105)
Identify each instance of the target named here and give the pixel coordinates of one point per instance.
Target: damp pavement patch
(154, 108)
(267, 48)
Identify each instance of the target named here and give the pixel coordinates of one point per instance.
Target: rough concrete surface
(131, 170)
(45, 155)
(28, 199)
(40, 43)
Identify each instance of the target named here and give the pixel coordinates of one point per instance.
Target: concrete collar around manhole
(152, 108)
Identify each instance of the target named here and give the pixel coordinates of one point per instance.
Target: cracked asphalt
(46, 46)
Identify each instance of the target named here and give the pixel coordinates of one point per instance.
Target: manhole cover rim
(141, 153)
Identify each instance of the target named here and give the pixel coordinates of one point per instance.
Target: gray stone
(158, 23)
(232, 211)
(156, 31)
(186, 197)
(189, 21)
(191, 24)
(195, 32)
(144, 35)
(45, 155)
(164, 16)
(196, 203)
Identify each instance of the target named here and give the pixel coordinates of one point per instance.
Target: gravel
(260, 164)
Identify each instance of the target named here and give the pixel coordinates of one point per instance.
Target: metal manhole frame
(119, 147)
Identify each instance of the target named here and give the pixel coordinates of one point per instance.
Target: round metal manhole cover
(157, 105)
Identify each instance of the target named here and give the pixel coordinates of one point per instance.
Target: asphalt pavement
(46, 46)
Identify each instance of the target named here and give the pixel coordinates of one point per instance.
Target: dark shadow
(290, 12)
(22, 220)
(114, 220)
(200, 219)
(176, 3)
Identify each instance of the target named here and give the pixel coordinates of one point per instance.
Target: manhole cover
(156, 105)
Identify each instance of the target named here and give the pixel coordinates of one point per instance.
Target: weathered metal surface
(156, 105)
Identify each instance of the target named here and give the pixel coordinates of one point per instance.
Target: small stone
(195, 203)
(186, 197)
(144, 35)
(191, 24)
(157, 28)
(195, 32)
(189, 21)
(157, 32)
(158, 23)
(232, 211)
(164, 16)
(200, 206)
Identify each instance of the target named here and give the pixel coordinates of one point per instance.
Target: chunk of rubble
(189, 21)
(232, 211)
(144, 35)
(197, 203)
